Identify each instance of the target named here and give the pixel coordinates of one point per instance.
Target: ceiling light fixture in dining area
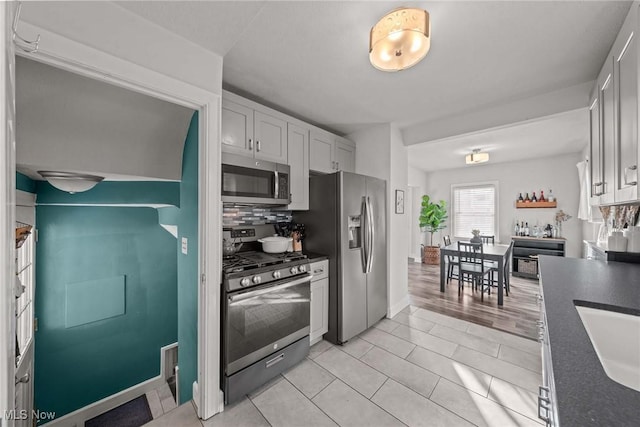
(71, 182)
(400, 39)
(476, 157)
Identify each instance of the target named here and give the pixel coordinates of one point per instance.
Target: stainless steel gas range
(265, 313)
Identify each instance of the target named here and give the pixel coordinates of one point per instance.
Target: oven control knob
(302, 268)
(294, 270)
(244, 282)
(276, 274)
(257, 279)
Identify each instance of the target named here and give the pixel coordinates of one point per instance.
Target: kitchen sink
(616, 338)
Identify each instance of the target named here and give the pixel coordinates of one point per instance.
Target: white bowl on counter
(275, 244)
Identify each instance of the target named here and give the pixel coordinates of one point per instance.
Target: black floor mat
(131, 414)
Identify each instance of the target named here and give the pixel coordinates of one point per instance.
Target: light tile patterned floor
(418, 369)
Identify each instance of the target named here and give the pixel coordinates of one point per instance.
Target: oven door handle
(241, 297)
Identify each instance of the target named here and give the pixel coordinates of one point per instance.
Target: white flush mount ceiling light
(477, 157)
(400, 39)
(71, 182)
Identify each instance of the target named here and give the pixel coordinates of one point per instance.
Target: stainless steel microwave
(247, 181)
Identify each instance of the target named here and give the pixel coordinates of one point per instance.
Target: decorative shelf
(528, 205)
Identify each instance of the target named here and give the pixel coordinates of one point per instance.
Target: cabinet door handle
(250, 144)
(333, 164)
(257, 145)
(318, 271)
(630, 168)
(337, 166)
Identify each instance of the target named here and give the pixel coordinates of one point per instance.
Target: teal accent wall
(25, 183)
(76, 366)
(188, 265)
(114, 192)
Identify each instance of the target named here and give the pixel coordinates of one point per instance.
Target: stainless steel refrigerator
(346, 220)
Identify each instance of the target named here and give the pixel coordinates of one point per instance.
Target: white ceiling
(552, 135)
(67, 122)
(491, 62)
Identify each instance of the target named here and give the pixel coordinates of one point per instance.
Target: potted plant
(432, 219)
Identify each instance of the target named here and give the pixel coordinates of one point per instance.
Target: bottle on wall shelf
(520, 199)
(527, 199)
(542, 199)
(550, 197)
(534, 198)
(522, 228)
(526, 229)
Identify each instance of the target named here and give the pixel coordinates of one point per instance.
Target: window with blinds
(474, 208)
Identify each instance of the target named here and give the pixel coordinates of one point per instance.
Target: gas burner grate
(253, 259)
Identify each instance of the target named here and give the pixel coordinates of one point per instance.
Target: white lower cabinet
(319, 301)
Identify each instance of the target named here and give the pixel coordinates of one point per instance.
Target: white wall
(117, 31)
(382, 154)
(558, 173)
(417, 180)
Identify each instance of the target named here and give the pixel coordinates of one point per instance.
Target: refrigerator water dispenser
(354, 231)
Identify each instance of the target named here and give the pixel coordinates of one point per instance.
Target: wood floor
(518, 315)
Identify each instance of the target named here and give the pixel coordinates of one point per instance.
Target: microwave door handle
(256, 293)
(276, 184)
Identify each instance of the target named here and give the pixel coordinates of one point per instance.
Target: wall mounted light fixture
(477, 157)
(400, 39)
(71, 182)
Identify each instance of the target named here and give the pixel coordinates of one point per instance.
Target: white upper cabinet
(298, 152)
(252, 133)
(345, 155)
(321, 152)
(256, 131)
(271, 138)
(329, 153)
(237, 128)
(613, 114)
(625, 54)
(607, 131)
(595, 148)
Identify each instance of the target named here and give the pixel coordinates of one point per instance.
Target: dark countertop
(314, 257)
(585, 395)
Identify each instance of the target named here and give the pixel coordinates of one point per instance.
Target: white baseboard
(78, 417)
(398, 307)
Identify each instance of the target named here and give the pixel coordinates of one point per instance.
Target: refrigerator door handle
(372, 235)
(365, 243)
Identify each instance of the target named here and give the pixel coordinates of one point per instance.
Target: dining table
(492, 252)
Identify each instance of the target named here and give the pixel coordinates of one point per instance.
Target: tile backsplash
(247, 215)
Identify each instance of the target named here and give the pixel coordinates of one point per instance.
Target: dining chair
(452, 261)
(505, 270)
(471, 263)
(488, 239)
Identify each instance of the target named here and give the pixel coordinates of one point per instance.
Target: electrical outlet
(184, 245)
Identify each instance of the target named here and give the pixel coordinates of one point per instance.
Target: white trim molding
(398, 307)
(7, 213)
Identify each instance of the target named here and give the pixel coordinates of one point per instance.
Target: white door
(24, 289)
